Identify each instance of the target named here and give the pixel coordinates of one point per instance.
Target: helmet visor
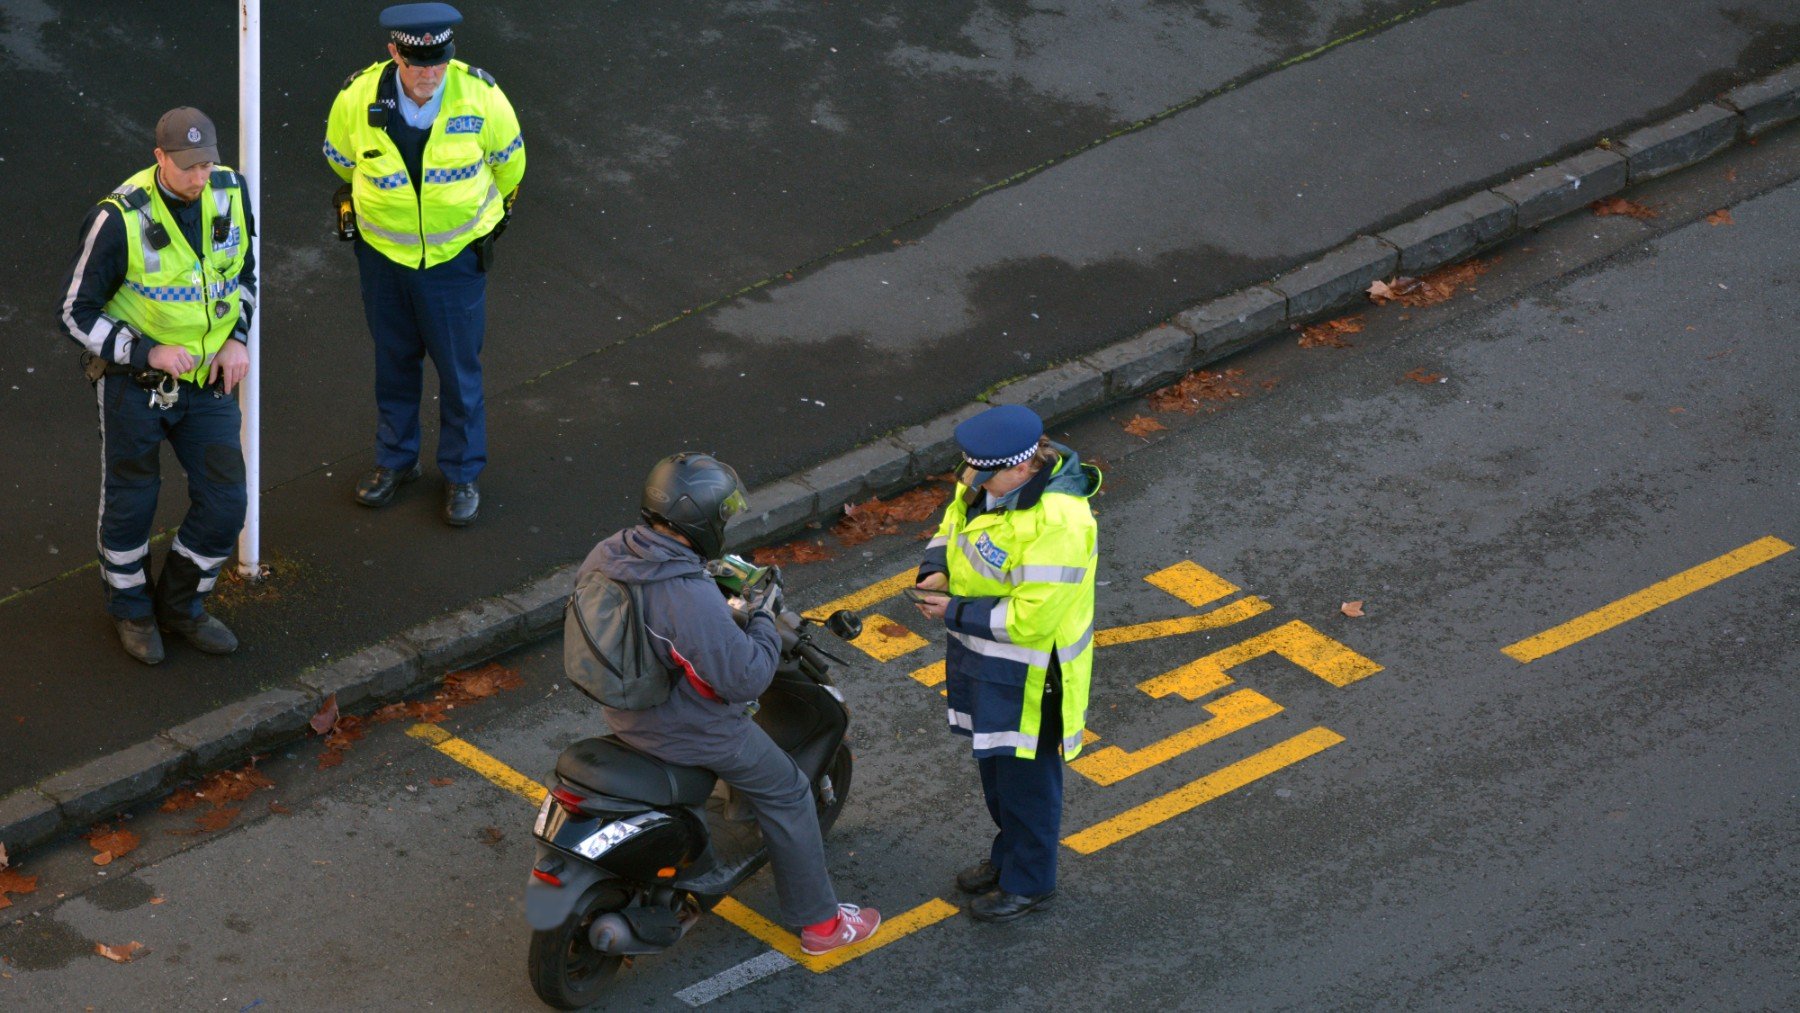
(734, 504)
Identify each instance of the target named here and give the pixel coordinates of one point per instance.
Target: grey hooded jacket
(689, 622)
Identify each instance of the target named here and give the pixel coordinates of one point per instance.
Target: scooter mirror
(844, 624)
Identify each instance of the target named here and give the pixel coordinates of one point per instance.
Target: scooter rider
(723, 669)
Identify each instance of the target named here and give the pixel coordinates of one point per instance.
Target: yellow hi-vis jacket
(474, 155)
(1022, 591)
(172, 293)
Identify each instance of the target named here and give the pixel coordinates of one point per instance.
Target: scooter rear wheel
(566, 971)
(839, 772)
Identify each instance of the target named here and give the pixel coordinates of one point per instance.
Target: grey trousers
(778, 792)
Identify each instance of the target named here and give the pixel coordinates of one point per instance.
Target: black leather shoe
(141, 639)
(377, 487)
(978, 878)
(462, 504)
(205, 633)
(1000, 906)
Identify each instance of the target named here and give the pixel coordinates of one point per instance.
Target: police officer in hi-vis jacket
(432, 154)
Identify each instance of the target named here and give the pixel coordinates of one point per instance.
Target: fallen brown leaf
(1330, 333)
(790, 554)
(328, 760)
(277, 807)
(893, 631)
(474, 684)
(875, 517)
(1143, 425)
(159, 900)
(1621, 206)
(1353, 609)
(1731, 175)
(1720, 217)
(216, 820)
(110, 844)
(492, 836)
(1420, 376)
(1188, 393)
(14, 881)
(219, 788)
(1431, 289)
(119, 954)
(327, 718)
(1381, 292)
(442, 782)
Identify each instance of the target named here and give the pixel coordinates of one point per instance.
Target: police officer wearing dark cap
(432, 156)
(159, 296)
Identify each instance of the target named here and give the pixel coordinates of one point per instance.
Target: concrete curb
(417, 658)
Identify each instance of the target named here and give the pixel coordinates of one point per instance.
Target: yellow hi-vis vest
(1039, 564)
(174, 294)
(473, 156)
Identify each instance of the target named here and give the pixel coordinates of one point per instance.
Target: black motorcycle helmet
(695, 494)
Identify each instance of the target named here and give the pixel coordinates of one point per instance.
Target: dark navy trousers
(438, 311)
(1025, 798)
(202, 427)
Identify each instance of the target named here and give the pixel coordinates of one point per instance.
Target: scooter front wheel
(566, 971)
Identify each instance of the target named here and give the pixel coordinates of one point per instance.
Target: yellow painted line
(856, 601)
(1236, 612)
(1192, 583)
(884, 639)
(788, 944)
(480, 762)
(1653, 597)
(1296, 641)
(1233, 713)
(1196, 793)
(930, 675)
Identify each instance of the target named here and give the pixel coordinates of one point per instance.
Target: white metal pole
(250, 164)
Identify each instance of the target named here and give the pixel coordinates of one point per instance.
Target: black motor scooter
(631, 851)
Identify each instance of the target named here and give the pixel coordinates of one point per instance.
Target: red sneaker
(854, 924)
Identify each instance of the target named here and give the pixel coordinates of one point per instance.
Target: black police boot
(205, 633)
(377, 487)
(462, 503)
(1000, 906)
(141, 639)
(978, 878)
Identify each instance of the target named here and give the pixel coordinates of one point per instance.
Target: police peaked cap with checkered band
(1001, 437)
(421, 32)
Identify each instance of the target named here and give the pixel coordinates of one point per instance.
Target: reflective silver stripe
(1069, 744)
(997, 622)
(152, 258)
(1047, 574)
(206, 584)
(1004, 740)
(126, 558)
(938, 542)
(1007, 652)
(123, 580)
(222, 201)
(403, 238)
(444, 237)
(1073, 651)
(88, 339)
(958, 719)
(203, 562)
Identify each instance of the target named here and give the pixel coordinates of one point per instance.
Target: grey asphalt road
(773, 230)
(1609, 826)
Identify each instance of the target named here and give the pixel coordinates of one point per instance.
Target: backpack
(607, 651)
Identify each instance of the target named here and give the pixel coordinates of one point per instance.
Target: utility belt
(165, 388)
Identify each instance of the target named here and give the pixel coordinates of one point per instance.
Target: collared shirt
(417, 116)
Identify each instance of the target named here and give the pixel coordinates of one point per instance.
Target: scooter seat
(610, 767)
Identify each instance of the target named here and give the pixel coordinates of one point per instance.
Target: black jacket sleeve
(95, 273)
(247, 276)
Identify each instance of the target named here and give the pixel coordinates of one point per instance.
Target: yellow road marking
(1192, 583)
(930, 675)
(884, 639)
(1232, 713)
(788, 944)
(856, 601)
(1296, 641)
(1236, 612)
(1195, 793)
(1653, 597)
(480, 762)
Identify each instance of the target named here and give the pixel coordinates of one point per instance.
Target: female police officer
(1016, 553)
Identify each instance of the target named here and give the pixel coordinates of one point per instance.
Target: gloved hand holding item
(769, 602)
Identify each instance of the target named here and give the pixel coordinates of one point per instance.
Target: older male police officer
(433, 156)
(160, 295)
